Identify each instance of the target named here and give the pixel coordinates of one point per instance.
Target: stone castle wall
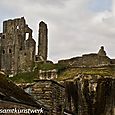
(17, 46)
(88, 60)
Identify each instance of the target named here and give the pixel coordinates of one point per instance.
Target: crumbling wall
(16, 50)
(43, 40)
(95, 60)
(49, 74)
(49, 93)
(87, 60)
(91, 95)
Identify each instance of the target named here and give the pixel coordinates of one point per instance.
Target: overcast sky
(75, 27)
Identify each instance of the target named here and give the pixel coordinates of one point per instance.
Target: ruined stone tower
(17, 47)
(43, 40)
(101, 51)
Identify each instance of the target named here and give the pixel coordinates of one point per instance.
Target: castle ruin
(43, 41)
(18, 48)
(76, 86)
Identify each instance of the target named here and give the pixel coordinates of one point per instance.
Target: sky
(75, 27)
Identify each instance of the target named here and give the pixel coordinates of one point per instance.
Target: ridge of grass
(72, 72)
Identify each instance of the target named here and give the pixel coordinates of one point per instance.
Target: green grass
(71, 73)
(46, 66)
(27, 77)
(62, 71)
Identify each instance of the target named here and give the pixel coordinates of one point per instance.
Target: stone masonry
(49, 74)
(17, 46)
(88, 60)
(43, 41)
(49, 93)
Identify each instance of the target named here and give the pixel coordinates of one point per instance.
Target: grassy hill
(63, 72)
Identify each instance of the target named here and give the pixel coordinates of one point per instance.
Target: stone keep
(17, 47)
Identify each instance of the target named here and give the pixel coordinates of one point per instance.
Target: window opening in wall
(20, 48)
(36, 59)
(3, 51)
(3, 36)
(10, 51)
(27, 36)
(17, 27)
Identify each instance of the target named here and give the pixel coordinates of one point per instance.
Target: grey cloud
(49, 2)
